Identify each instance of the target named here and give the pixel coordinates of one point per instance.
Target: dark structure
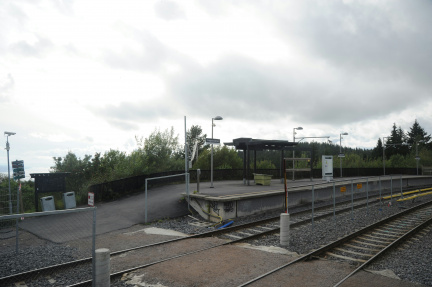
(249, 144)
(49, 182)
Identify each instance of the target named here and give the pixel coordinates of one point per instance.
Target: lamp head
(344, 134)
(299, 128)
(9, 133)
(218, 118)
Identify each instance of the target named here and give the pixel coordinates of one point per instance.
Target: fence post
(352, 200)
(284, 229)
(313, 205)
(367, 195)
(102, 272)
(94, 248)
(334, 203)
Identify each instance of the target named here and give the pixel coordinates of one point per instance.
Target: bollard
(102, 272)
(284, 229)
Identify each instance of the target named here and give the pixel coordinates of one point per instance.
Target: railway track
(233, 234)
(368, 244)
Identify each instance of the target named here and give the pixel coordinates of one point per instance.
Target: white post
(284, 229)
(102, 272)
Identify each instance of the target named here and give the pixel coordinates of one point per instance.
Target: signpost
(91, 199)
(212, 141)
(18, 169)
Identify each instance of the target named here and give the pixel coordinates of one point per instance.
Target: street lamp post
(384, 146)
(340, 150)
(417, 157)
(7, 149)
(294, 133)
(217, 118)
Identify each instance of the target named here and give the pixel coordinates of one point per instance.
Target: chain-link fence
(9, 201)
(53, 248)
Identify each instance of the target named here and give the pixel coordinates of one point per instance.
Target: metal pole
(211, 163)
(145, 202)
(391, 188)
(94, 247)
(352, 200)
(285, 187)
(16, 221)
(293, 154)
(367, 195)
(380, 193)
(340, 152)
(401, 186)
(10, 198)
(334, 203)
(417, 162)
(186, 164)
(313, 205)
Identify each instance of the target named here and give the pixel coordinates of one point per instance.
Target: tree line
(162, 151)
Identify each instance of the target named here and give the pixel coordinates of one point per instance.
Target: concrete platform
(232, 199)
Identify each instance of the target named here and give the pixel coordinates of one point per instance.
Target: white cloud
(87, 76)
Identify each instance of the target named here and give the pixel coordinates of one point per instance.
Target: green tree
(416, 134)
(159, 151)
(77, 167)
(377, 151)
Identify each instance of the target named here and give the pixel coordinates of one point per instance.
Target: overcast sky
(88, 76)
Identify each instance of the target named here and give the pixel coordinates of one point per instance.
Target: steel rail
(338, 242)
(44, 270)
(386, 249)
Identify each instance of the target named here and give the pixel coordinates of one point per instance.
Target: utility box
(327, 167)
(69, 200)
(262, 179)
(47, 203)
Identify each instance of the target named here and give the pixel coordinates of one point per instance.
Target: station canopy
(250, 144)
(261, 144)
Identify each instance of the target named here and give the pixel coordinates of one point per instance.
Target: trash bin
(69, 199)
(47, 203)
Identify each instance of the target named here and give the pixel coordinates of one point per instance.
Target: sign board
(341, 155)
(18, 169)
(417, 158)
(91, 199)
(343, 189)
(327, 167)
(359, 185)
(212, 141)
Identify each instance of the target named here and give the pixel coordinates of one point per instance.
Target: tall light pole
(340, 150)
(7, 149)
(217, 118)
(384, 146)
(417, 157)
(294, 133)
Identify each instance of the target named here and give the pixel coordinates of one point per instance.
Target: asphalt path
(163, 202)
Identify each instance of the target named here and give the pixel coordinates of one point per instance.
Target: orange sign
(343, 188)
(359, 185)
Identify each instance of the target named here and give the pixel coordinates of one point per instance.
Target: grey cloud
(169, 10)
(150, 56)
(240, 87)
(38, 49)
(129, 116)
(390, 39)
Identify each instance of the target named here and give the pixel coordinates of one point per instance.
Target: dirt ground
(230, 265)
(233, 265)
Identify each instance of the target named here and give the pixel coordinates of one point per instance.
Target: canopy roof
(260, 144)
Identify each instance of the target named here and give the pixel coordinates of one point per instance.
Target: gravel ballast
(411, 262)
